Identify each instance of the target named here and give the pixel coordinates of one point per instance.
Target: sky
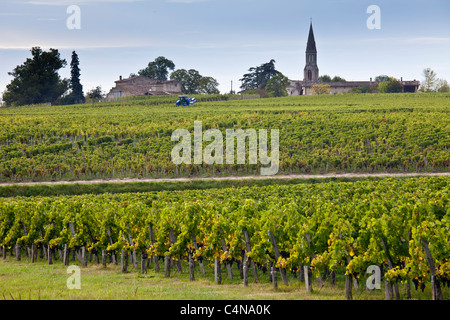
(224, 38)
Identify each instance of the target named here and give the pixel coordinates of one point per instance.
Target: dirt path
(290, 176)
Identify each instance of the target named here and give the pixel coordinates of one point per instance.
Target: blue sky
(223, 38)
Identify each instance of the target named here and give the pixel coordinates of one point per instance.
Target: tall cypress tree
(77, 88)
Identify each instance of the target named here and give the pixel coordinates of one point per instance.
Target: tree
(432, 83)
(189, 79)
(320, 89)
(193, 82)
(324, 78)
(365, 88)
(391, 86)
(208, 85)
(77, 95)
(158, 69)
(337, 79)
(382, 78)
(95, 94)
(443, 86)
(276, 86)
(429, 84)
(37, 79)
(259, 76)
(327, 78)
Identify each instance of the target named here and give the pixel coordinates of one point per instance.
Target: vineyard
(301, 231)
(318, 134)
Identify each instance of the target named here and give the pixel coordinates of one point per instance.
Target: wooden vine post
(348, 284)
(245, 270)
(194, 241)
(435, 285)
(152, 239)
(217, 271)
(225, 250)
(123, 261)
(172, 241)
(308, 284)
(133, 252)
(249, 250)
(277, 256)
(111, 242)
(49, 255)
(17, 249)
(191, 267)
(33, 253)
(273, 273)
(93, 241)
(167, 265)
(313, 256)
(390, 288)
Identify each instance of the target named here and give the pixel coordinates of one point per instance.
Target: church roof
(311, 46)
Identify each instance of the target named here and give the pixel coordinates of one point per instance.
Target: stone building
(143, 86)
(311, 76)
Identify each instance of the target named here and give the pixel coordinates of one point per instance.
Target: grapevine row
(394, 133)
(402, 225)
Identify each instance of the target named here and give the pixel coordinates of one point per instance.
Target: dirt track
(291, 176)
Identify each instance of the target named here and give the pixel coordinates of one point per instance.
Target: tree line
(37, 80)
(386, 84)
(191, 80)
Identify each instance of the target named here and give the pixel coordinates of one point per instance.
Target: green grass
(127, 187)
(22, 280)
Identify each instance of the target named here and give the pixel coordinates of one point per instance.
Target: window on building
(309, 75)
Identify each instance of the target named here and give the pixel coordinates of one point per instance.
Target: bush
(391, 86)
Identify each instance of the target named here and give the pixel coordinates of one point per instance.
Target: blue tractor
(186, 101)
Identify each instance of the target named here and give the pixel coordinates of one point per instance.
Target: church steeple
(311, 46)
(311, 71)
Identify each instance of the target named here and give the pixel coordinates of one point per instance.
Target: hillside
(317, 134)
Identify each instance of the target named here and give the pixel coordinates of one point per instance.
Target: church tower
(311, 71)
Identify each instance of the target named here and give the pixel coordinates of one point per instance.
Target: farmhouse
(143, 86)
(311, 76)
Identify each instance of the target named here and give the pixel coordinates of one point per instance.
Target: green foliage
(158, 69)
(193, 82)
(391, 86)
(443, 86)
(324, 78)
(327, 78)
(318, 134)
(320, 89)
(382, 78)
(276, 86)
(36, 80)
(429, 83)
(208, 85)
(328, 226)
(364, 89)
(77, 89)
(95, 93)
(337, 79)
(258, 77)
